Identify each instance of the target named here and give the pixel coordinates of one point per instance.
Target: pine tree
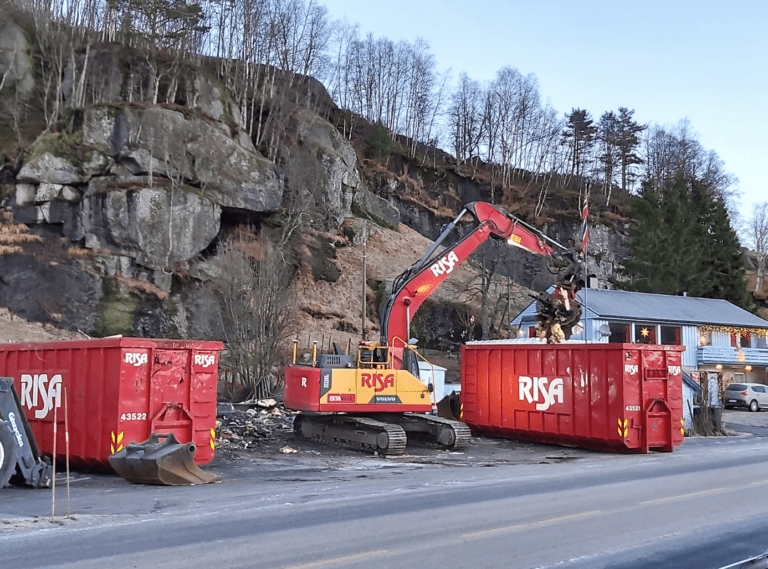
(726, 275)
(579, 134)
(682, 242)
(627, 143)
(663, 247)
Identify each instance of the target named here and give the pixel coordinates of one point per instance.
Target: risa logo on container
(136, 359)
(205, 360)
(536, 390)
(38, 390)
(445, 265)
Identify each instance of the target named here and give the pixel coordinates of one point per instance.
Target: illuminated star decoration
(644, 332)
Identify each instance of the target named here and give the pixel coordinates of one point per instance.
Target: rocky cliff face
(130, 195)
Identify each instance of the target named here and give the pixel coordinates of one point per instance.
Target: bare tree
(466, 118)
(667, 153)
(251, 281)
(757, 239)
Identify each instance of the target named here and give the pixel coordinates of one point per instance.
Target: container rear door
(657, 415)
(169, 391)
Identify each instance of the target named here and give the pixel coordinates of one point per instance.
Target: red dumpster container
(118, 390)
(618, 397)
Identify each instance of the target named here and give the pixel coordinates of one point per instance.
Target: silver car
(751, 395)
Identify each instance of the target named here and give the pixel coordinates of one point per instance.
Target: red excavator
(377, 401)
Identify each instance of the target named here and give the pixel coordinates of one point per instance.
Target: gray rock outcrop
(15, 61)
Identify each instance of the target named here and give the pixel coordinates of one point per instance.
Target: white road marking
(339, 560)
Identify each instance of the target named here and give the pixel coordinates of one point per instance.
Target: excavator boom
(416, 283)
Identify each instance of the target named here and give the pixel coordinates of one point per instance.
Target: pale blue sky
(668, 60)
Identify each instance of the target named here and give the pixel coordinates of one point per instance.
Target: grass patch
(116, 310)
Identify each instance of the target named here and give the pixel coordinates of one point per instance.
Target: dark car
(754, 396)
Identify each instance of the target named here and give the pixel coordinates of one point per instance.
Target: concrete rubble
(246, 426)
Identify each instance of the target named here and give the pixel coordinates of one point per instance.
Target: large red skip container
(619, 397)
(118, 390)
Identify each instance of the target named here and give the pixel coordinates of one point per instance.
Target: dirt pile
(14, 329)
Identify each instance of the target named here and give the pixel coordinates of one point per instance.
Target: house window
(619, 333)
(671, 335)
(740, 340)
(705, 338)
(645, 334)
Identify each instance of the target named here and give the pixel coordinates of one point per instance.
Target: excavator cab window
(374, 357)
(411, 362)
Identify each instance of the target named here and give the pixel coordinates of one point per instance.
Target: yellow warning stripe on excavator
(213, 439)
(682, 426)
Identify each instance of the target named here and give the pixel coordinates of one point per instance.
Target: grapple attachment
(449, 407)
(162, 460)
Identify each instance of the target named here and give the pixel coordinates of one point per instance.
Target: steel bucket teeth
(161, 460)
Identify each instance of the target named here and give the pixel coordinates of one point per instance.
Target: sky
(669, 60)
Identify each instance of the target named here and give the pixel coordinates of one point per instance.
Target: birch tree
(466, 119)
(757, 239)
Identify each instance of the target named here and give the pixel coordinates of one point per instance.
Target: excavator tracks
(387, 436)
(358, 433)
(434, 431)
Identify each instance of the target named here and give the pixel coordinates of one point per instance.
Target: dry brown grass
(6, 250)
(79, 253)
(142, 286)
(13, 235)
(611, 216)
(425, 201)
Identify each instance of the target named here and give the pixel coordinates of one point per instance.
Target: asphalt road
(500, 504)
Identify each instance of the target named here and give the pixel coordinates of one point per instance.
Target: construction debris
(258, 424)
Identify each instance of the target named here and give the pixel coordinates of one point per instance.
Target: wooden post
(66, 438)
(53, 476)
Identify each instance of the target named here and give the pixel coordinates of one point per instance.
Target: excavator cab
(372, 356)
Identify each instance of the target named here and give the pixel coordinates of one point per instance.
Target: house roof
(623, 305)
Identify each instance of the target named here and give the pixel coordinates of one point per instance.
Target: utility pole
(365, 245)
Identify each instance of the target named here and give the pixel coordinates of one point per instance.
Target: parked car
(754, 396)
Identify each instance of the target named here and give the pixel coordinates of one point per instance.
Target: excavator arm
(417, 282)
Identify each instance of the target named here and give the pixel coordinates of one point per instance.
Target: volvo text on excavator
(377, 401)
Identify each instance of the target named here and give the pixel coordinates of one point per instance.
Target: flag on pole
(584, 228)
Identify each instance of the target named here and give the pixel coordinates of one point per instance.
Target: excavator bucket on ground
(161, 460)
